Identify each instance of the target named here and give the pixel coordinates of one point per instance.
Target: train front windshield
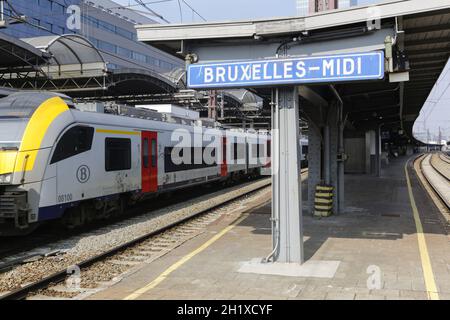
(14, 116)
(11, 133)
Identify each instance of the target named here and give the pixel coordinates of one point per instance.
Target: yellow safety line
(428, 275)
(182, 261)
(117, 132)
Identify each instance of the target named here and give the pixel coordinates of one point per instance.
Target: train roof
(24, 103)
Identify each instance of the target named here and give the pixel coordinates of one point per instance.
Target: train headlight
(5, 178)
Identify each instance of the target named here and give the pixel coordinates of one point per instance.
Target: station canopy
(71, 56)
(73, 65)
(418, 30)
(19, 56)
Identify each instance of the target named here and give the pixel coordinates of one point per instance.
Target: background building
(322, 5)
(305, 7)
(109, 26)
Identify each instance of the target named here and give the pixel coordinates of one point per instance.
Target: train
(61, 163)
(304, 151)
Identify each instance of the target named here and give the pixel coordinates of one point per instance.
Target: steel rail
(22, 293)
(432, 189)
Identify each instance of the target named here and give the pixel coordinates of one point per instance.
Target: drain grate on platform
(382, 235)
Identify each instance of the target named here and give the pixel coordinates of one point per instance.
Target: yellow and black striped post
(323, 203)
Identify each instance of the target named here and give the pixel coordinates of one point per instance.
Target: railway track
(22, 248)
(108, 266)
(444, 157)
(434, 173)
(441, 164)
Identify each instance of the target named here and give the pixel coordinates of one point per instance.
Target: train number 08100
(65, 197)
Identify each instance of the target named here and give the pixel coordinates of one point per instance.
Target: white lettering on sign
(256, 72)
(301, 70)
(231, 69)
(349, 66)
(220, 74)
(288, 70)
(314, 69)
(328, 68)
(209, 76)
(266, 75)
(341, 67)
(246, 72)
(276, 75)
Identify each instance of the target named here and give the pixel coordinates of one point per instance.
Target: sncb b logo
(83, 174)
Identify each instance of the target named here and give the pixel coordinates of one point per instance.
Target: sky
(215, 10)
(434, 114)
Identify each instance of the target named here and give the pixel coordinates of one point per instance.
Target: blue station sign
(317, 69)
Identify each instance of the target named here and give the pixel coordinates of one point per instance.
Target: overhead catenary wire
(65, 6)
(181, 11)
(130, 7)
(152, 11)
(193, 10)
(138, 4)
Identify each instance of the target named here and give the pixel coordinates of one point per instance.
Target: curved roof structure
(246, 97)
(127, 82)
(71, 56)
(74, 65)
(16, 54)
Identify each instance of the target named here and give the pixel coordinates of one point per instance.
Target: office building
(108, 25)
(306, 7)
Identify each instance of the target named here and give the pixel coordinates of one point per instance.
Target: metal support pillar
(371, 152)
(326, 154)
(287, 203)
(212, 105)
(378, 152)
(2, 17)
(333, 125)
(341, 151)
(314, 162)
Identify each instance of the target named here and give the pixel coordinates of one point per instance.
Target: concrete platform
(376, 244)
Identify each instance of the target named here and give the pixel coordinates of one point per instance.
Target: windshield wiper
(9, 148)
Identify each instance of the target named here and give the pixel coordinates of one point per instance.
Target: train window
(261, 150)
(154, 153)
(304, 149)
(74, 141)
(117, 154)
(170, 166)
(145, 153)
(254, 150)
(238, 151)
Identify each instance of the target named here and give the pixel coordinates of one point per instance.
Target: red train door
(149, 161)
(224, 166)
